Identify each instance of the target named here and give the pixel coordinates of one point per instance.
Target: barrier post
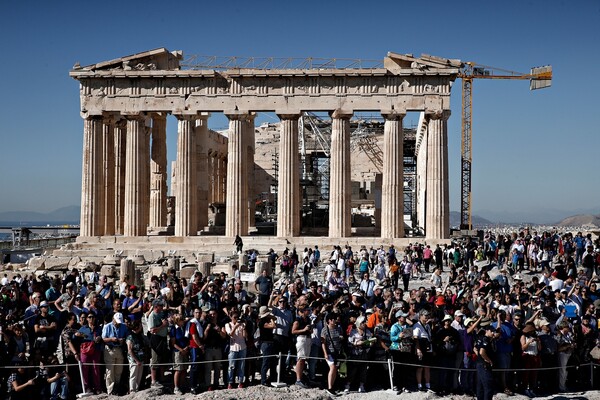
(391, 372)
(85, 393)
(279, 384)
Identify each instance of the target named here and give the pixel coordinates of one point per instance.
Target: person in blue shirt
(180, 344)
(579, 241)
(90, 333)
(504, 347)
(114, 335)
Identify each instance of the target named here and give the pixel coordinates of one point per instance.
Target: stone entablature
(406, 84)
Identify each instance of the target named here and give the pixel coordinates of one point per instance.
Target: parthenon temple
(214, 187)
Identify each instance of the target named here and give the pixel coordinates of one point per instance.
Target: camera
(39, 377)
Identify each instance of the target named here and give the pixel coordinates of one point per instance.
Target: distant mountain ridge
(580, 220)
(475, 220)
(64, 215)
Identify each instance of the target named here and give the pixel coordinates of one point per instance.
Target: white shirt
(556, 284)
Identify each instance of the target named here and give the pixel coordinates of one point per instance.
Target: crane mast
(539, 77)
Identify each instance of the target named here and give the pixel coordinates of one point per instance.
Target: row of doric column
(124, 183)
(124, 174)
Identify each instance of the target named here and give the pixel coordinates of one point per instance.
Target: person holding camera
(266, 326)
(331, 341)
(531, 347)
(302, 328)
(236, 330)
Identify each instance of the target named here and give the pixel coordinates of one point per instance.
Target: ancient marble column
(202, 170)
(219, 164)
(137, 175)
(250, 144)
(223, 167)
(158, 172)
(288, 208)
(392, 189)
(119, 200)
(437, 208)
(108, 170)
(236, 211)
(340, 190)
(186, 189)
(92, 179)
(211, 176)
(421, 172)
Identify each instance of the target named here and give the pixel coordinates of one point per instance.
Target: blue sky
(533, 152)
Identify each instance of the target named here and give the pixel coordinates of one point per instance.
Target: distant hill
(580, 220)
(475, 219)
(64, 215)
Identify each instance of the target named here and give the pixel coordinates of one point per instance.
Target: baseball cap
(118, 317)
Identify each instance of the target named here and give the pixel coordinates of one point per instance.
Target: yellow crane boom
(539, 78)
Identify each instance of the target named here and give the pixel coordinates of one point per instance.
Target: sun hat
(264, 312)
(529, 328)
(401, 313)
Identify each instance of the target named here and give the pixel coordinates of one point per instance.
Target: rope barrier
(388, 362)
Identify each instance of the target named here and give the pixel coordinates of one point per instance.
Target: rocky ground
(295, 393)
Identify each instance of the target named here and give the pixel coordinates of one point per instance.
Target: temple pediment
(400, 63)
(157, 59)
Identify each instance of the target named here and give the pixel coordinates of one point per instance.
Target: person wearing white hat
(114, 335)
(446, 342)
(359, 342)
(45, 326)
(457, 323)
(401, 349)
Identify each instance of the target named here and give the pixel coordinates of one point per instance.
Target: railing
(50, 242)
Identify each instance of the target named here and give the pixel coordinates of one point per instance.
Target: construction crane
(539, 78)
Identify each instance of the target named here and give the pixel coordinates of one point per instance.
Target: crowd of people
(516, 313)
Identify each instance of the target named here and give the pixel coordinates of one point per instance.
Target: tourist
(331, 342)
(158, 332)
(195, 332)
(264, 286)
(266, 326)
(236, 329)
(302, 328)
(136, 353)
(114, 335)
(214, 334)
(360, 341)
(239, 244)
(422, 334)
(45, 327)
(179, 344)
(90, 335)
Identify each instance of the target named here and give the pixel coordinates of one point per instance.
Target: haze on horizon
(534, 153)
